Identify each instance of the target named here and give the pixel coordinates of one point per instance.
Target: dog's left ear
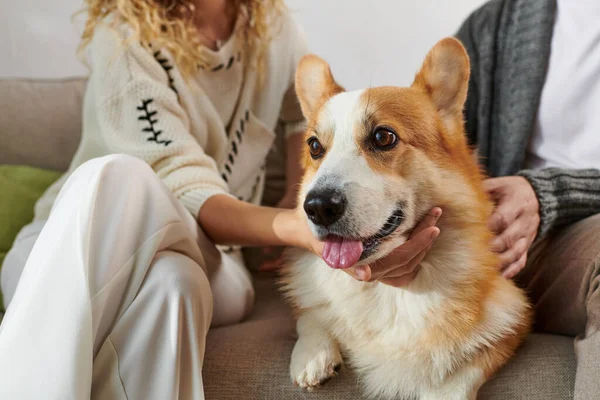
(314, 84)
(444, 76)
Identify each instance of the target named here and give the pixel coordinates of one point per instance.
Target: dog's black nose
(324, 207)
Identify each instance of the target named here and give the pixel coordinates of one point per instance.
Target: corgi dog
(376, 161)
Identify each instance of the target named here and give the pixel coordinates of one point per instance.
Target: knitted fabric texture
(508, 42)
(207, 135)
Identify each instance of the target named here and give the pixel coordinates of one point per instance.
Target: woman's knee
(234, 293)
(119, 168)
(176, 277)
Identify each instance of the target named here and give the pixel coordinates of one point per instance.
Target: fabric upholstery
(40, 126)
(251, 360)
(40, 122)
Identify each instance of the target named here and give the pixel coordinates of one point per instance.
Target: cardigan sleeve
(478, 36)
(565, 195)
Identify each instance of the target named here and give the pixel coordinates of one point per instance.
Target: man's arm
(565, 195)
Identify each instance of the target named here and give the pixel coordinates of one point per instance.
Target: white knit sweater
(207, 135)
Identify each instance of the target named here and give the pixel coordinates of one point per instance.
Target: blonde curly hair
(168, 24)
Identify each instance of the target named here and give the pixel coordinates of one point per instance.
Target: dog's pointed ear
(444, 76)
(314, 83)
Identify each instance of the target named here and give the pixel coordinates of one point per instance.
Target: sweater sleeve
(565, 195)
(139, 114)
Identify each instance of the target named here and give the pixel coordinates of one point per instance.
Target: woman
(179, 112)
(113, 287)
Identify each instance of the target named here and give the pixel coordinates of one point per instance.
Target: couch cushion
(40, 122)
(20, 186)
(250, 361)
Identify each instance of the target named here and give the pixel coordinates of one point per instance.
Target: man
(532, 112)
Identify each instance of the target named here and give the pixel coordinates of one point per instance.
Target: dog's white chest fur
(380, 331)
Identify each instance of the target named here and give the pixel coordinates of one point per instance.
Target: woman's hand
(515, 220)
(401, 266)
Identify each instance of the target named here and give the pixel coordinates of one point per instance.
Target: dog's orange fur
(428, 120)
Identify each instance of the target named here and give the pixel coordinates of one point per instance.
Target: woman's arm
(228, 221)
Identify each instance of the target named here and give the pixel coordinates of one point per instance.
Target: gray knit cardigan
(508, 42)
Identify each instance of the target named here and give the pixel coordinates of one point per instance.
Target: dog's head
(374, 158)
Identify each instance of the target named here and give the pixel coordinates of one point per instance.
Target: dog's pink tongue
(342, 253)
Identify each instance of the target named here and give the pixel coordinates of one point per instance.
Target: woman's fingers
(271, 265)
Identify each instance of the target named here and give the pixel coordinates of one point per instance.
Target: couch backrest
(40, 121)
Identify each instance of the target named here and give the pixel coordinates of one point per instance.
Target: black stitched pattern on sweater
(232, 59)
(164, 63)
(149, 116)
(256, 182)
(237, 139)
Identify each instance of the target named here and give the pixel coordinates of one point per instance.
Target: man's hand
(401, 266)
(515, 220)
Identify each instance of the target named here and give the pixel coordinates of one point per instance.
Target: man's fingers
(513, 254)
(504, 215)
(403, 254)
(430, 219)
(509, 236)
(516, 267)
(410, 267)
(362, 273)
(491, 185)
(405, 258)
(400, 281)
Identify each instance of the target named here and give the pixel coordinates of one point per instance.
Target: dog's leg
(316, 356)
(463, 385)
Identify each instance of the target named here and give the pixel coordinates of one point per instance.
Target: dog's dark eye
(384, 138)
(316, 150)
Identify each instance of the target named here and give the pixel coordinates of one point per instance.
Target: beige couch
(40, 125)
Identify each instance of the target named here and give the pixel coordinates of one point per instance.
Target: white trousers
(111, 297)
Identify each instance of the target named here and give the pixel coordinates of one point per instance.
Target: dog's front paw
(314, 362)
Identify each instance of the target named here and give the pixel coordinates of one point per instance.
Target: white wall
(367, 42)
(381, 42)
(39, 38)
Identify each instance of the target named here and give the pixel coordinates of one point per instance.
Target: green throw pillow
(20, 187)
